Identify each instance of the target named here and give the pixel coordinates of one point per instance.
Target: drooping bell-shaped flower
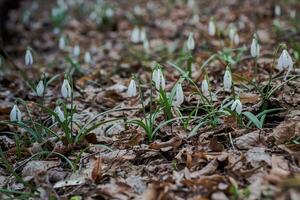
(15, 114)
(205, 88)
(231, 32)
(87, 58)
(179, 96)
(76, 50)
(59, 113)
(237, 106)
(66, 89)
(40, 88)
(277, 10)
(158, 79)
(227, 80)
(131, 91)
(191, 42)
(285, 61)
(236, 39)
(211, 28)
(135, 35)
(28, 57)
(143, 35)
(255, 48)
(62, 43)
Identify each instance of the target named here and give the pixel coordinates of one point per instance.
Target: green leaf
(253, 119)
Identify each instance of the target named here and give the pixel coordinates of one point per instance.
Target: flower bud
(28, 57)
(255, 48)
(76, 50)
(87, 58)
(59, 113)
(179, 96)
(62, 43)
(205, 88)
(131, 91)
(66, 89)
(237, 106)
(135, 35)
(285, 61)
(40, 88)
(15, 114)
(227, 80)
(158, 79)
(211, 28)
(191, 42)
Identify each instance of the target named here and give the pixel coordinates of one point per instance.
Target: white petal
(227, 80)
(66, 89)
(179, 96)
(191, 42)
(162, 80)
(131, 92)
(211, 28)
(204, 87)
(40, 88)
(135, 35)
(15, 114)
(28, 57)
(239, 107)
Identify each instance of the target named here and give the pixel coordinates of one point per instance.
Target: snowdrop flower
(191, 4)
(40, 88)
(231, 33)
(236, 39)
(179, 96)
(146, 45)
(204, 87)
(135, 35)
(255, 48)
(28, 57)
(293, 14)
(131, 91)
(211, 28)
(143, 35)
(66, 89)
(227, 80)
(285, 61)
(76, 50)
(87, 58)
(277, 10)
(62, 43)
(158, 79)
(59, 113)
(237, 106)
(15, 114)
(191, 42)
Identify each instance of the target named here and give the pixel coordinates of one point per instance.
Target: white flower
(146, 45)
(158, 79)
(179, 96)
(231, 33)
(76, 50)
(191, 42)
(211, 28)
(293, 14)
(66, 89)
(135, 35)
(204, 88)
(255, 48)
(143, 35)
(62, 43)
(277, 10)
(40, 88)
(191, 4)
(131, 91)
(227, 80)
(87, 58)
(59, 113)
(28, 57)
(236, 39)
(15, 114)
(237, 106)
(285, 61)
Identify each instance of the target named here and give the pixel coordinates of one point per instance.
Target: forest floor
(104, 144)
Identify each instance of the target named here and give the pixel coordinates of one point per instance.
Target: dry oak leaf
(287, 130)
(166, 146)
